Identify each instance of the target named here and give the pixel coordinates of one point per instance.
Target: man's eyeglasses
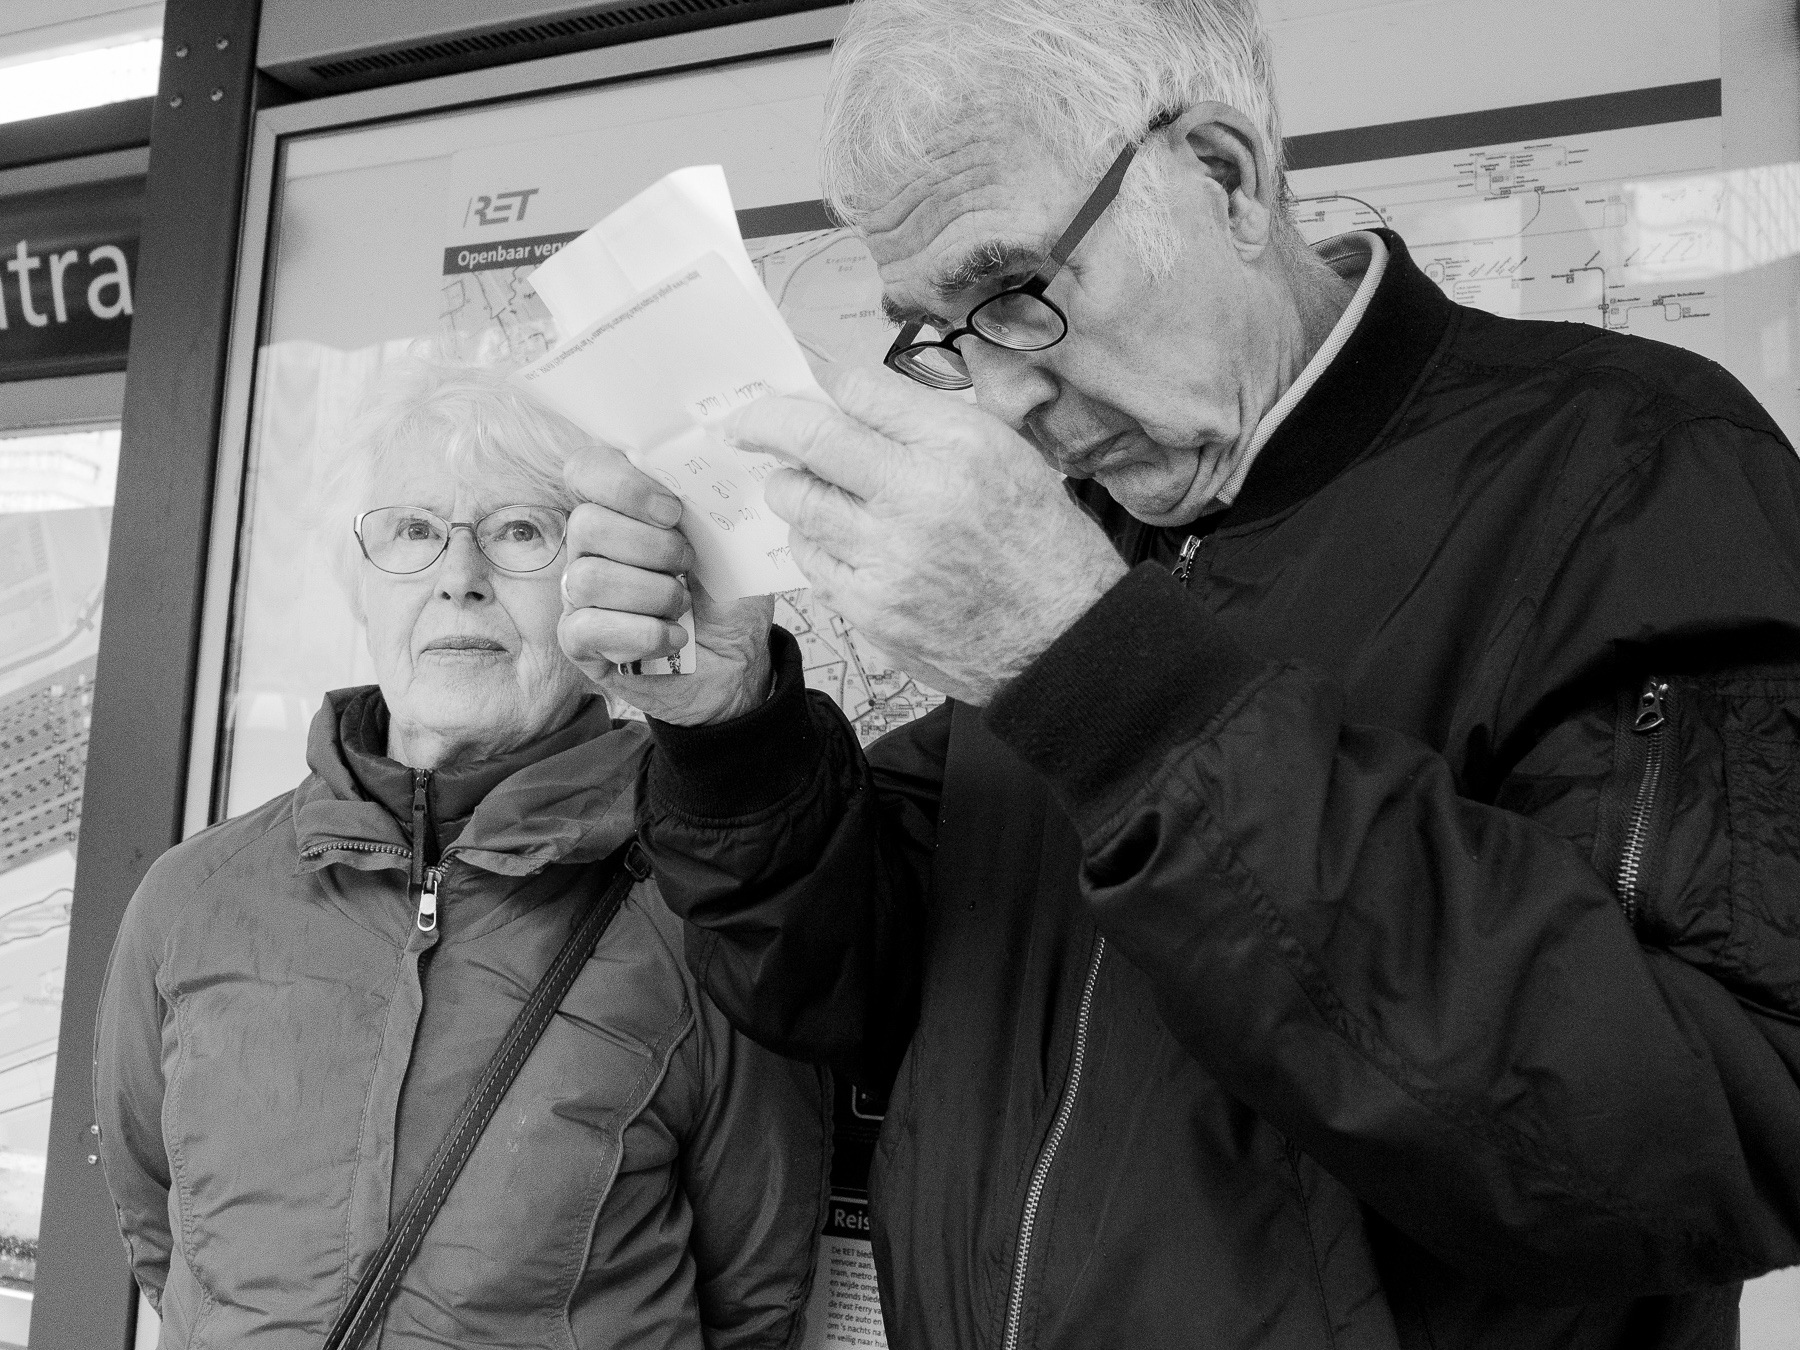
(403, 540)
(1019, 318)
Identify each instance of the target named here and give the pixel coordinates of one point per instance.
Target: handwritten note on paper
(653, 376)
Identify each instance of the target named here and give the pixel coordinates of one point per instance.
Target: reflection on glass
(1716, 224)
(56, 494)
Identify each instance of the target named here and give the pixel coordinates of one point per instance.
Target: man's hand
(622, 601)
(930, 526)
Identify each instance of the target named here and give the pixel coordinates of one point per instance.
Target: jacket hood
(567, 797)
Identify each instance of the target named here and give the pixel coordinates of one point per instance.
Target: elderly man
(1353, 898)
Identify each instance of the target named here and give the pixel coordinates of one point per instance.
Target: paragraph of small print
(845, 1310)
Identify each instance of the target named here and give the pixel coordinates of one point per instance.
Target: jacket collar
(565, 798)
(1352, 400)
(1355, 397)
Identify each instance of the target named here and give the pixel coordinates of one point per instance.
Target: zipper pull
(1184, 565)
(428, 894)
(1650, 714)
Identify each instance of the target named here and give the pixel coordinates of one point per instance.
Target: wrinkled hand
(930, 525)
(622, 601)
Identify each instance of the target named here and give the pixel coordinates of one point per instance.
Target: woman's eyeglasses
(1019, 318)
(405, 539)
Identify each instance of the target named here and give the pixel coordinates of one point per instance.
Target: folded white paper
(665, 329)
(669, 224)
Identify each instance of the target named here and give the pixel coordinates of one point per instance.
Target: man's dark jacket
(1390, 937)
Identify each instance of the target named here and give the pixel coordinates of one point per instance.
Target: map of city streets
(874, 695)
(824, 283)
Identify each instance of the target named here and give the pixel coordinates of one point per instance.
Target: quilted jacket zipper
(423, 881)
(1650, 728)
(1040, 1173)
(354, 846)
(428, 899)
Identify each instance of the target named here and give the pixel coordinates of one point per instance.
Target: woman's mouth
(464, 645)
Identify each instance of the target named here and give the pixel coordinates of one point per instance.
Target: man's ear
(1228, 149)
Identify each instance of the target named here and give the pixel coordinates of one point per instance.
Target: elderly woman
(301, 999)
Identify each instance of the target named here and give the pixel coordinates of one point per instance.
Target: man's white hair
(1081, 77)
(441, 401)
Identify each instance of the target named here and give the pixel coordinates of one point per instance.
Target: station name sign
(68, 259)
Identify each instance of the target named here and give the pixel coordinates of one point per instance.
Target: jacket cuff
(745, 765)
(1141, 672)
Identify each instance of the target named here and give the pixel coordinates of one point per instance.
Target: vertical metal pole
(137, 754)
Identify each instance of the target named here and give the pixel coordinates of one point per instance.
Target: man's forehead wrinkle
(925, 209)
(968, 149)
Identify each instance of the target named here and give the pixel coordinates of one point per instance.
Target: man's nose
(464, 573)
(1009, 385)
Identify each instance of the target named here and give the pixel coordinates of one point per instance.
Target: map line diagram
(1576, 229)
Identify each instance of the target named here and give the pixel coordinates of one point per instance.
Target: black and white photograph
(935, 674)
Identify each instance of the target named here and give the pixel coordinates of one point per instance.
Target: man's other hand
(622, 601)
(931, 526)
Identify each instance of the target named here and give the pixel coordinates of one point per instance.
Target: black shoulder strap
(381, 1278)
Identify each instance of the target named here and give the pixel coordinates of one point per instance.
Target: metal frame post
(137, 758)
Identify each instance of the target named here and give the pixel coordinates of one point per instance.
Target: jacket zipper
(1040, 1173)
(1184, 565)
(354, 846)
(424, 879)
(432, 878)
(1652, 723)
(428, 897)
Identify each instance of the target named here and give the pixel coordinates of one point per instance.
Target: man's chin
(1157, 495)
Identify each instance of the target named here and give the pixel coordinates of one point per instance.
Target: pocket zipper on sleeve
(1652, 724)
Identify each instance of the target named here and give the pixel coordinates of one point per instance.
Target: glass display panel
(428, 229)
(56, 496)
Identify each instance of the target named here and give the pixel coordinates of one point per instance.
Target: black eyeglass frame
(1098, 200)
(474, 529)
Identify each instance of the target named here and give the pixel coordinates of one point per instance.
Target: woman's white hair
(440, 399)
(1081, 77)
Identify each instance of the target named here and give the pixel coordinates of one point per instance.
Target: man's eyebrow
(900, 315)
(982, 263)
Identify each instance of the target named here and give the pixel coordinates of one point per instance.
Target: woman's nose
(463, 572)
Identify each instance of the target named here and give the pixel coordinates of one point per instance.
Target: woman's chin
(466, 695)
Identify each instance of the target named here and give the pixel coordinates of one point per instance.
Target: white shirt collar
(1344, 254)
